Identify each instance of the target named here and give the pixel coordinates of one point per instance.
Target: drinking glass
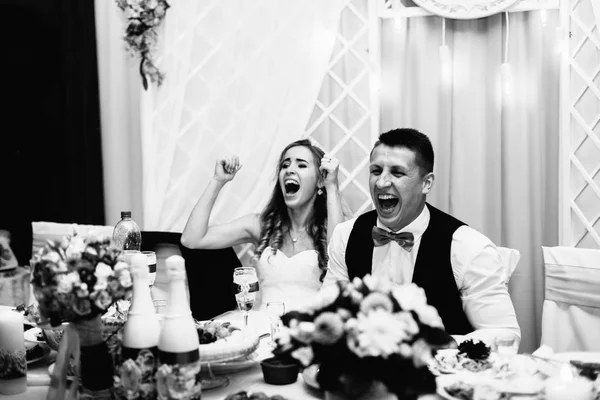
(275, 310)
(246, 281)
(506, 348)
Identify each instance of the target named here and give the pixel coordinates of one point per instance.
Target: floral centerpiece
(364, 335)
(76, 281)
(143, 17)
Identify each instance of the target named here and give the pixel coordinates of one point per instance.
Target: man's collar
(417, 227)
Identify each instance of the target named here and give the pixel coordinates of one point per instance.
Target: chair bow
(382, 237)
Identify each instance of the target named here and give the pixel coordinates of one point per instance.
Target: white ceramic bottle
(178, 346)
(141, 333)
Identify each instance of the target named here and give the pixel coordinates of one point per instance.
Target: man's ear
(428, 182)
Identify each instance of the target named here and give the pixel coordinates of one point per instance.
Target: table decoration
(13, 365)
(76, 281)
(371, 339)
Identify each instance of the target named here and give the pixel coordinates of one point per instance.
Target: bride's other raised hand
(226, 168)
(329, 169)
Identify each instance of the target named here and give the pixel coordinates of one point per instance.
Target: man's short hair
(413, 140)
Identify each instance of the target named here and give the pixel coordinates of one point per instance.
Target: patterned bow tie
(382, 237)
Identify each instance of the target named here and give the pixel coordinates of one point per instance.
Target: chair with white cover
(510, 259)
(44, 231)
(571, 312)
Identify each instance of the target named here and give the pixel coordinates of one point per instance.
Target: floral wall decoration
(143, 18)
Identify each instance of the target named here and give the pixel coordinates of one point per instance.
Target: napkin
(544, 351)
(546, 362)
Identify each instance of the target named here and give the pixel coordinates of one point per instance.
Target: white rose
(103, 271)
(64, 284)
(304, 354)
(410, 297)
(74, 278)
(121, 265)
(125, 279)
(428, 315)
(76, 246)
(51, 256)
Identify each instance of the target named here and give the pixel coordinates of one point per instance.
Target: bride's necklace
(294, 241)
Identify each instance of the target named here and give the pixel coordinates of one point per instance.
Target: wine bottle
(140, 338)
(178, 374)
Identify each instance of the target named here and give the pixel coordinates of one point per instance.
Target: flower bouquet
(371, 339)
(76, 281)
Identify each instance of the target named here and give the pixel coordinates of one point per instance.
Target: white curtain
(241, 78)
(120, 87)
(496, 145)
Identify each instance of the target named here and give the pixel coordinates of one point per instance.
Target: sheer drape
(242, 78)
(496, 150)
(120, 87)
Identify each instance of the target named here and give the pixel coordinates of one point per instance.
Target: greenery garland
(143, 17)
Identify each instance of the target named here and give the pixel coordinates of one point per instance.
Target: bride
(292, 231)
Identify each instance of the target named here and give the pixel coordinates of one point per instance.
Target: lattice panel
(342, 116)
(584, 127)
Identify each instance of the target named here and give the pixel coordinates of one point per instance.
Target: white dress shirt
(476, 266)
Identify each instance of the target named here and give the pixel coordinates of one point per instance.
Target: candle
(568, 387)
(13, 370)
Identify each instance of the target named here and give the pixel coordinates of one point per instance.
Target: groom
(407, 240)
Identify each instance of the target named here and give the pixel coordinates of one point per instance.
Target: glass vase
(96, 363)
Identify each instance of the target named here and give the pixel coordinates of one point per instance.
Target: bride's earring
(320, 191)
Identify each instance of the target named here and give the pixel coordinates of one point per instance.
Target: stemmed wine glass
(246, 281)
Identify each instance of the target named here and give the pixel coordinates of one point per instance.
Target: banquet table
(250, 379)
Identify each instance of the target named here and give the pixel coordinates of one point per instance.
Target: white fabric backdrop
(496, 159)
(120, 87)
(242, 78)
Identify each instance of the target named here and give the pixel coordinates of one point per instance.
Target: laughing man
(459, 268)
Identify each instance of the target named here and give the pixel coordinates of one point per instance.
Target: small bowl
(278, 371)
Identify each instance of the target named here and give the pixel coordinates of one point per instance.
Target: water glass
(506, 348)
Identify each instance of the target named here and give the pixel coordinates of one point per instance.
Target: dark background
(50, 147)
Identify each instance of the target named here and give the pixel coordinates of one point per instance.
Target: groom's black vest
(433, 270)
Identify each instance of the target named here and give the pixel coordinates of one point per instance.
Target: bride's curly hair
(275, 221)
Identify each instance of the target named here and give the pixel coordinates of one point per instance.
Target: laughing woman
(292, 231)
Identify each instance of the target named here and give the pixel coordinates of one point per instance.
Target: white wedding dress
(292, 280)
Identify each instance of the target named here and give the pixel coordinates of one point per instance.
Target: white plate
(31, 335)
(46, 352)
(519, 385)
(310, 376)
(240, 364)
